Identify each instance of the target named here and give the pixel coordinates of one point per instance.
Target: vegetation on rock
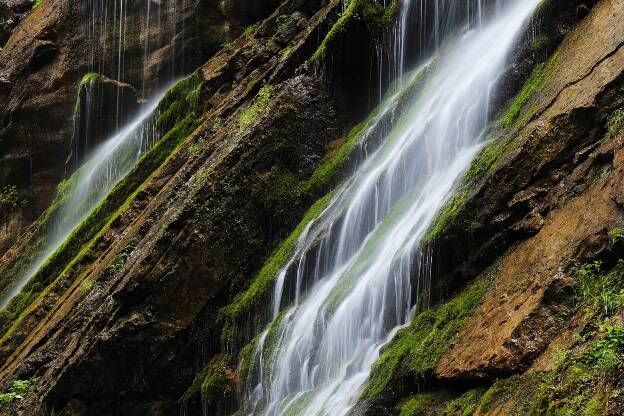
(258, 106)
(10, 198)
(417, 349)
(19, 389)
(368, 11)
(180, 116)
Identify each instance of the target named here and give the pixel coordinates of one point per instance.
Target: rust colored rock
(531, 297)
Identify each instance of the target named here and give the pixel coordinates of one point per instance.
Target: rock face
(569, 212)
(541, 201)
(104, 106)
(56, 44)
(143, 311)
(11, 13)
(189, 238)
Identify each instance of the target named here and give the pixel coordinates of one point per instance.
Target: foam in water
(367, 270)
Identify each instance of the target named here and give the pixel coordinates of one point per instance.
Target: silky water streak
(356, 289)
(88, 186)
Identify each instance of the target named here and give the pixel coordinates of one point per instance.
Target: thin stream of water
(107, 24)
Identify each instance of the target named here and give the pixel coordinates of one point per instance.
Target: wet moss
(541, 75)
(418, 348)
(214, 387)
(466, 404)
(180, 101)
(418, 404)
(96, 223)
(89, 78)
(211, 382)
(447, 215)
(500, 389)
(368, 11)
(259, 291)
(327, 171)
(245, 361)
(275, 190)
(260, 103)
(533, 84)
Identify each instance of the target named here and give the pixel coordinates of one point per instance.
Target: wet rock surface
(193, 236)
(46, 56)
(548, 204)
(121, 330)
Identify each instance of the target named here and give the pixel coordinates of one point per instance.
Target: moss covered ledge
(410, 358)
(178, 125)
(373, 14)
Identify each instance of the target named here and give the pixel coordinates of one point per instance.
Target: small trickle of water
(366, 270)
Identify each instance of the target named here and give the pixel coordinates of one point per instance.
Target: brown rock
(48, 53)
(530, 298)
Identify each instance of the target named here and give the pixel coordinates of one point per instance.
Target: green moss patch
(212, 382)
(19, 389)
(533, 84)
(368, 11)
(418, 404)
(418, 348)
(598, 290)
(326, 172)
(260, 289)
(259, 104)
(89, 78)
(615, 124)
(82, 238)
(466, 404)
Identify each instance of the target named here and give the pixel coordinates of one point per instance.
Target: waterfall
(106, 24)
(108, 164)
(360, 271)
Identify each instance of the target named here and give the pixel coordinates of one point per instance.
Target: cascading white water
(108, 164)
(365, 270)
(106, 26)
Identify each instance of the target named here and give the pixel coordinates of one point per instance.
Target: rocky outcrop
(541, 201)
(11, 13)
(130, 316)
(570, 211)
(136, 313)
(57, 43)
